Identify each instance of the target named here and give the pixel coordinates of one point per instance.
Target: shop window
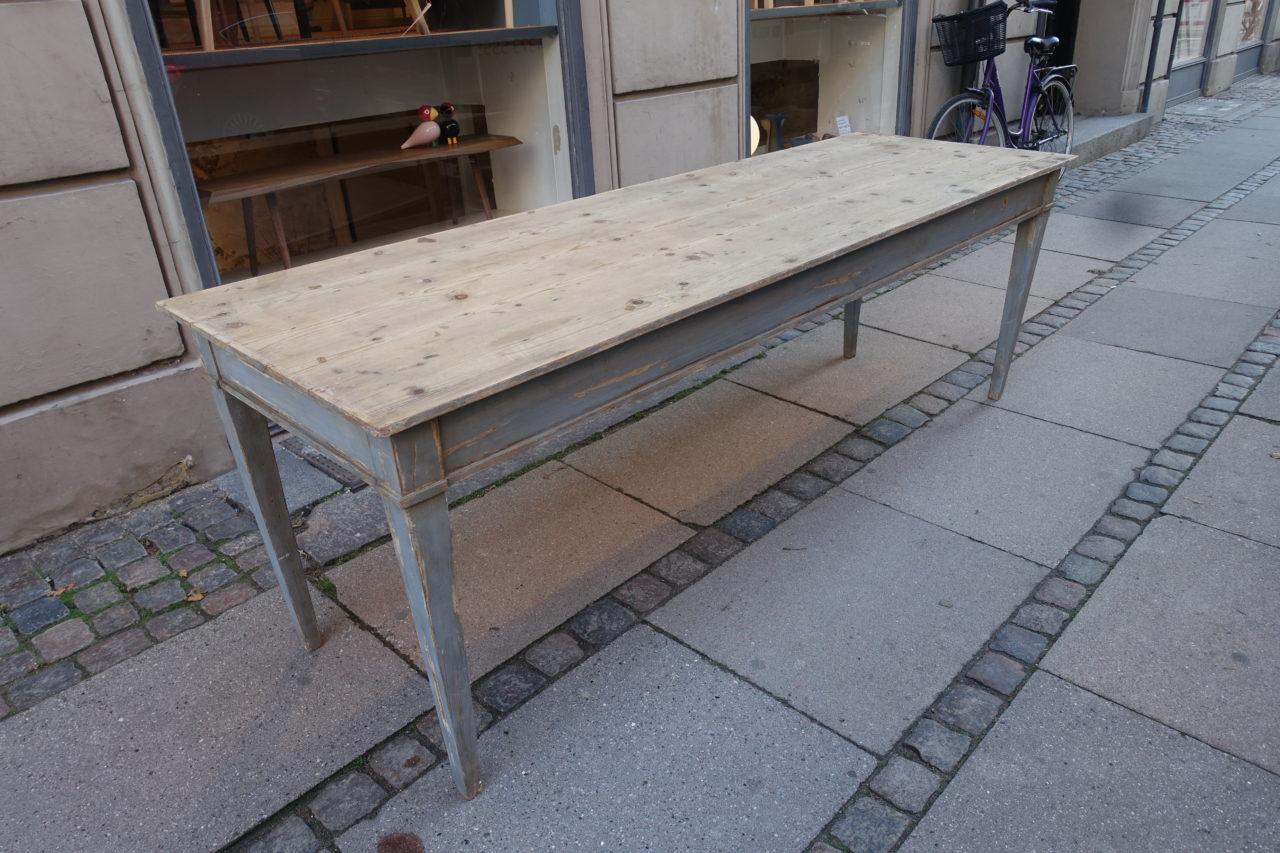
(821, 70)
(1193, 29)
(296, 147)
(208, 25)
(1255, 14)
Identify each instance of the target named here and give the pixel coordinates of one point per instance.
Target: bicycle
(978, 115)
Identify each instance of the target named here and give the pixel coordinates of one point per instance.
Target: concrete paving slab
(1207, 169)
(1066, 770)
(1119, 393)
(1185, 630)
(1262, 205)
(1155, 211)
(527, 556)
(1225, 109)
(1236, 486)
(1232, 239)
(1264, 402)
(852, 612)
(1257, 144)
(1025, 486)
(200, 738)
(811, 371)
(1208, 331)
(1186, 270)
(303, 484)
(1262, 122)
(1057, 273)
(1097, 136)
(705, 454)
(646, 745)
(945, 311)
(1094, 238)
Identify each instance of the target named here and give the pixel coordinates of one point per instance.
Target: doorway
(1063, 24)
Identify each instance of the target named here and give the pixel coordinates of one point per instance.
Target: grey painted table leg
(1026, 250)
(424, 545)
(250, 441)
(852, 317)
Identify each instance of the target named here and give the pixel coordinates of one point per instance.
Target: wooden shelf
(321, 48)
(263, 181)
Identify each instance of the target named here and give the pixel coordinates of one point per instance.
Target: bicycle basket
(972, 36)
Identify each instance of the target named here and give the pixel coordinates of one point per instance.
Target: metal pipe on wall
(1173, 44)
(906, 66)
(1151, 57)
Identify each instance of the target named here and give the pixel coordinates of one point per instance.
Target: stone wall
(98, 396)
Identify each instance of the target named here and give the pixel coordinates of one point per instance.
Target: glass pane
(1255, 13)
(305, 160)
(1192, 29)
(818, 76)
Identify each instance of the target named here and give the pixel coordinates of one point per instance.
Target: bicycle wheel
(961, 119)
(1053, 122)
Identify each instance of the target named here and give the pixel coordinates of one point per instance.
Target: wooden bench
(427, 360)
(243, 187)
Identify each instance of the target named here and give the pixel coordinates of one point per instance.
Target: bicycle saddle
(1039, 46)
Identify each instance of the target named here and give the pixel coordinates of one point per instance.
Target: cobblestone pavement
(1137, 391)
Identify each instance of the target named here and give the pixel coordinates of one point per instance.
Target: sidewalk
(812, 604)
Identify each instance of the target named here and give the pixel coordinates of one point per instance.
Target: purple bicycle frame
(995, 103)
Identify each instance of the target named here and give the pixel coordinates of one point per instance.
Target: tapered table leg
(852, 318)
(1026, 250)
(250, 440)
(424, 545)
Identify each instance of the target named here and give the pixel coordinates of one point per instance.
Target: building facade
(156, 148)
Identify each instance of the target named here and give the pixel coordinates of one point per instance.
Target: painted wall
(98, 395)
(1112, 51)
(663, 88)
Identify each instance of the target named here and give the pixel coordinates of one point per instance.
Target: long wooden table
(244, 186)
(427, 360)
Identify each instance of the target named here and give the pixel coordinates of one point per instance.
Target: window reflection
(1193, 28)
(1255, 13)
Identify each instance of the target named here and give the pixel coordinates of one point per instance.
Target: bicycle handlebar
(1043, 6)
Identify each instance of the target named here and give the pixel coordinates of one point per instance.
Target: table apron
(487, 431)
(299, 413)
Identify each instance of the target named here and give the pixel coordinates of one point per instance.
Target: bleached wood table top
(394, 336)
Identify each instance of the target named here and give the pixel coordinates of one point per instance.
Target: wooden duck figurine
(450, 130)
(436, 123)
